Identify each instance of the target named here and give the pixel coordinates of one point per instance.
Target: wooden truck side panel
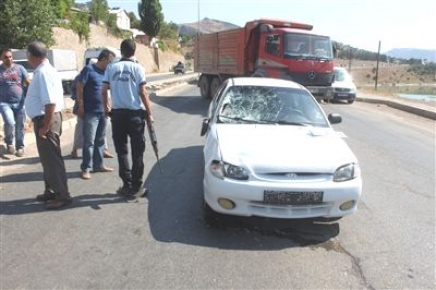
(221, 53)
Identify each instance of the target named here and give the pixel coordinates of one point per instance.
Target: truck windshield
(307, 46)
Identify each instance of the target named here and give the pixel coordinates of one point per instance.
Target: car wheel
(350, 101)
(326, 219)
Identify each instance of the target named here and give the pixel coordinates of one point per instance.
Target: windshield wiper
(283, 122)
(237, 119)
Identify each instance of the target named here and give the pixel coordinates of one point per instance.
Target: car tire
(350, 101)
(327, 219)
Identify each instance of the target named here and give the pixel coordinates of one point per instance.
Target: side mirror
(204, 127)
(334, 118)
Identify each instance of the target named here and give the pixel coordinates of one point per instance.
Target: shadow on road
(175, 213)
(30, 205)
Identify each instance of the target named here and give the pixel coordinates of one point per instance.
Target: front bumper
(344, 96)
(248, 197)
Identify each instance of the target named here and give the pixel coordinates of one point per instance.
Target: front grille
(342, 90)
(294, 176)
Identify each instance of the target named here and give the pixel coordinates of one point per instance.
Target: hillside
(408, 53)
(363, 73)
(66, 39)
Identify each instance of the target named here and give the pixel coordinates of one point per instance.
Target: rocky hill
(66, 39)
(408, 53)
(206, 25)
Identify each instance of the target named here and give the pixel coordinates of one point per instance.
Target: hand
(150, 119)
(42, 132)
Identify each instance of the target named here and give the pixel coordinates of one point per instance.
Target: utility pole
(376, 70)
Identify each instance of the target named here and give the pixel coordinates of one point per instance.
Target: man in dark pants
(44, 103)
(129, 108)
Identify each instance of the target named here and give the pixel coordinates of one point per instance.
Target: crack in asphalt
(355, 261)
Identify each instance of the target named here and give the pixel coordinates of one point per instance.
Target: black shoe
(58, 203)
(126, 191)
(46, 196)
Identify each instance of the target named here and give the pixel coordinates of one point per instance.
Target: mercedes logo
(311, 74)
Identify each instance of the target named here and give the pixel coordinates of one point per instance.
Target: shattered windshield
(270, 105)
(307, 46)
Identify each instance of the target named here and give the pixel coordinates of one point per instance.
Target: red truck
(266, 48)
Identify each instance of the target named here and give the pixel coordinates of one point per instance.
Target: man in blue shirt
(90, 108)
(13, 79)
(129, 108)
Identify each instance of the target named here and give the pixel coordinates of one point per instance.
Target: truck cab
(296, 55)
(266, 48)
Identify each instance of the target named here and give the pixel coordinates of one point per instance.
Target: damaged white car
(270, 151)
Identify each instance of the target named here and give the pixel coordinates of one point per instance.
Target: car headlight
(223, 169)
(346, 172)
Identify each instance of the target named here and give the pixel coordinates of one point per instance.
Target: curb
(416, 110)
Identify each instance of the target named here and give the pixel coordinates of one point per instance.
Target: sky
(359, 23)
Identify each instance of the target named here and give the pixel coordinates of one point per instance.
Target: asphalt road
(163, 242)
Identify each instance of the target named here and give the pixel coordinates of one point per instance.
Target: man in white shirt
(44, 103)
(129, 108)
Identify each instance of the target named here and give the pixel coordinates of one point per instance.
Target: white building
(123, 20)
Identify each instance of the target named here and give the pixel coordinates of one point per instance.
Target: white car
(270, 151)
(343, 86)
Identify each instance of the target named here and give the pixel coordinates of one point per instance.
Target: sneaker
(11, 149)
(20, 152)
(140, 192)
(46, 196)
(85, 174)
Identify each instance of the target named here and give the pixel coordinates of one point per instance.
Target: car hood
(344, 84)
(277, 148)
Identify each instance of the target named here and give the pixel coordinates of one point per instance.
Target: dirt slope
(66, 39)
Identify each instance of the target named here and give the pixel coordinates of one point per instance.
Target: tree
(24, 21)
(61, 8)
(150, 12)
(169, 30)
(79, 23)
(134, 22)
(99, 10)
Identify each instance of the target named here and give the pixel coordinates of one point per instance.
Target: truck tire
(204, 87)
(214, 85)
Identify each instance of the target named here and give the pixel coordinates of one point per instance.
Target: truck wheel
(205, 87)
(214, 86)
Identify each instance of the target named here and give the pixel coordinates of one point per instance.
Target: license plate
(292, 197)
(342, 95)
